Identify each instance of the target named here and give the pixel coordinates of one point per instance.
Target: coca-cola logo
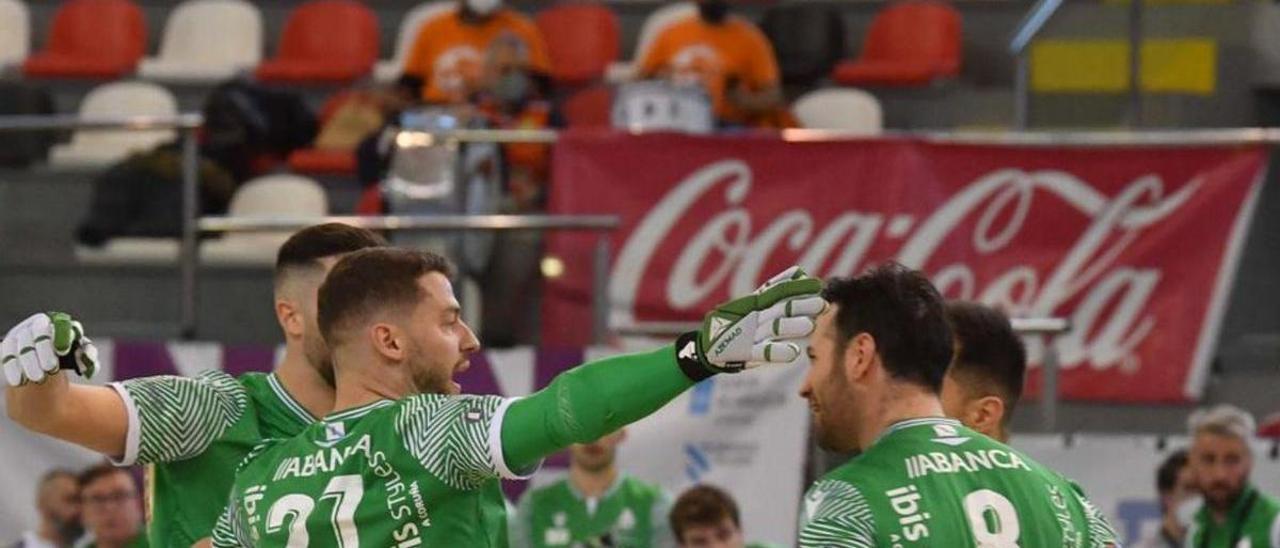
(729, 252)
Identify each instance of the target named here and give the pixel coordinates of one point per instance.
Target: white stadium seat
(843, 109)
(96, 148)
(390, 69)
(15, 32)
(658, 20)
(207, 41)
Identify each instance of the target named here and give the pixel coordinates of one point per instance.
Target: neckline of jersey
(912, 423)
(359, 411)
(617, 483)
(289, 402)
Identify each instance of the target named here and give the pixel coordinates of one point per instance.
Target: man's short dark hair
(988, 352)
(1167, 474)
(102, 470)
(701, 506)
(903, 312)
(373, 279)
(307, 246)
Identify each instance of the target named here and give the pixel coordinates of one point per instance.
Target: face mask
(512, 87)
(1185, 511)
(483, 7)
(714, 11)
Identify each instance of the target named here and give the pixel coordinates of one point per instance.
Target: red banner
(1136, 246)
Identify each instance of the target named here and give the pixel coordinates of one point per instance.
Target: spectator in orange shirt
(724, 53)
(449, 52)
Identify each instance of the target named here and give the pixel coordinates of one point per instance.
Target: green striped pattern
(840, 517)
(180, 417)
(1101, 534)
(449, 435)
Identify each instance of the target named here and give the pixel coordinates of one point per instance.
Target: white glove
(770, 326)
(44, 344)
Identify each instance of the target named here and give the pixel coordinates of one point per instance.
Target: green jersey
(631, 513)
(1253, 522)
(933, 482)
(421, 471)
(192, 432)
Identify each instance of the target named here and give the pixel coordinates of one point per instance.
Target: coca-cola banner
(1136, 246)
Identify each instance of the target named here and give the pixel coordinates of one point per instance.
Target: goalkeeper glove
(44, 344)
(769, 326)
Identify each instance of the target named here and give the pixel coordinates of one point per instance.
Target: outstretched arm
(587, 402)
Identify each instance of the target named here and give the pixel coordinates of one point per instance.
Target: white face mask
(1185, 511)
(483, 7)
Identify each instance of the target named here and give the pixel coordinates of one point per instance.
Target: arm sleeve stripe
(495, 445)
(133, 435)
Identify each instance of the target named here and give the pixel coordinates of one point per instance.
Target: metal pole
(1049, 388)
(1021, 92)
(1135, 62)
(600, 291)
(190, 231)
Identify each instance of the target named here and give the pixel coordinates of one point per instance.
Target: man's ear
(859, 356)
(289, 315)
(388, 341)
(986, 414)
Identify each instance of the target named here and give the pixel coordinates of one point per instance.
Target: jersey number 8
(992, 519)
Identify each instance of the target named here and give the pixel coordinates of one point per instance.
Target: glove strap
(689, 358)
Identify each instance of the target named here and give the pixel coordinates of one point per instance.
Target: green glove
(769, 326)
(42, 345)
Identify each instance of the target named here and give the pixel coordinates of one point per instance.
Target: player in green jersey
(406, 460)
(595, 505)
(193, 431)
(878, 359)
(984, 382)
(1235, 514)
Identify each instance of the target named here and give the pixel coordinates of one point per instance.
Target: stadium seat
(582, 39)
(1270, 426)
(589, 108)
(91, 39)
(661, 18)
(92, 148)
(841, 109)
(207, 41)
(324, 41)
(912, 43)
(320, 161)
(15, 32)
(390, 69)
(269, 196)
(808, 40)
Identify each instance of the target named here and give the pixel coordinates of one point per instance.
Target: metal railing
(1028, 28)
(602, 224)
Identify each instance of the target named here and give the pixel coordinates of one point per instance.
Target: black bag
(243, 121)
(19, 149)
(808, 40)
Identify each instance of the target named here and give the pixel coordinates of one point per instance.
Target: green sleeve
(176, 418)
(585, 403)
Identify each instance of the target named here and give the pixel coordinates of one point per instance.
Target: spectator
(594, 506)
(725, 54)
(1175, 485)
(449, 51)
(58, 503)
(984, 381)
(1234, 512)
(707, 517)
(112, 511)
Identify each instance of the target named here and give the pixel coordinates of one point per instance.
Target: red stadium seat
(1270, 427)
(911, 43)
(589, 108)
(329, 41)
(582, 39)
(319, 161)
(91, 39)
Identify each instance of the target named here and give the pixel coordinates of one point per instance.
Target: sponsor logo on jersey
(947, 434)
(1072, 536)
(334, 431)
(913, 520)
(921, 465)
